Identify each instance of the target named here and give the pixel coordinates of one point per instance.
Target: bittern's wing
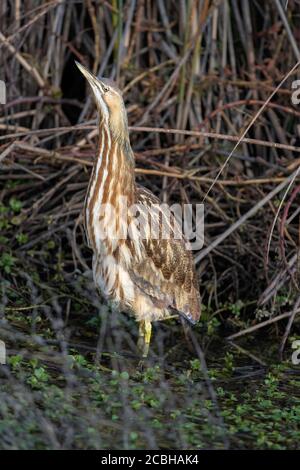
(166, 272)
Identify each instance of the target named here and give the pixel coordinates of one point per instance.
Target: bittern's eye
(105, 89)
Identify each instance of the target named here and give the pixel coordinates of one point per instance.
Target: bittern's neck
(112, 178)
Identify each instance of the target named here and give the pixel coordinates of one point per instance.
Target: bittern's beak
(95, 83)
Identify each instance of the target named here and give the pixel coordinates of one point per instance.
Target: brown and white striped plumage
(149, 277)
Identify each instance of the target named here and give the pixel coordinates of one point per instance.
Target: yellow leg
(144, 337)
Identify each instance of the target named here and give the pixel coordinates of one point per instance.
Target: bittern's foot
(142, 365)
(144, 338)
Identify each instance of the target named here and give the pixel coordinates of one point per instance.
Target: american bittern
(148, 276)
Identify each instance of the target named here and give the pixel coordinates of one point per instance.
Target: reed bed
(194, 74)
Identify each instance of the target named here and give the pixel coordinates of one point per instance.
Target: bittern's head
(109, 102)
